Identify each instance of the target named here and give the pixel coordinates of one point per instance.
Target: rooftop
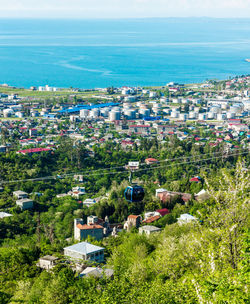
(150, 228)
(84, 248)
(89, 226)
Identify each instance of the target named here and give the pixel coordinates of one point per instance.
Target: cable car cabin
(134, 193)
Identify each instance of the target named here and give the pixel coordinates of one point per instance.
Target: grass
(44, 94)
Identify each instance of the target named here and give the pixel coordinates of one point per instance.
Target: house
(152, 219)
(132, 221)
(78, 178)
(5, 214)
(140, 129)
(149, 229)
(32, 132)
(33, 150)
(150, 161)
(127, 143)
(47, 262)
(150, 214)
(25, 203)
(77, 191)
(202, 195)
(89, 202)
(196, 179)
(163, 211)
(85, 251)
(166, 196)
(82, 231)
(96, 272)
(132, 166)
(3, 149)
(186, 218)
(20, 194)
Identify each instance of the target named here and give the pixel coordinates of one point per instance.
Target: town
(69, 158)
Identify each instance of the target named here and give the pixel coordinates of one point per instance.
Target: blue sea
(101, 53)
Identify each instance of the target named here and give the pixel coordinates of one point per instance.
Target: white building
(89, 202)
(5, 214)
(20, 194)
(149, 229)
(25, 203)
(47, 262)
(186, 218)
(85, 251)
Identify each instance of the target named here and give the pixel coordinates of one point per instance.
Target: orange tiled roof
(89, 226)
(152, 219)
(133, 216)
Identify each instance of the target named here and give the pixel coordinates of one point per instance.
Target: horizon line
(118, 18)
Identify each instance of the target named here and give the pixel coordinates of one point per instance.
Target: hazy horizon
(113, 9)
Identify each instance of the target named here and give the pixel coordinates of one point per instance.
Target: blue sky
(123, 8)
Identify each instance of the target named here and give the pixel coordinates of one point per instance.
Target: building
(152, 219)
(132, 221)
(140, 129)
(5, 214)
(149, 229)
(25, 203)
(196, 179)
(3, 149)
(89, 202)
(33, 150)
(20, 194)
(33, 132)
(85, 251)
(163, 211)
(186, 218)
(166, 196)
(82, 231)
(150, 161)
(202, 195)
(96, 272)
(47, 262)
(77, 191)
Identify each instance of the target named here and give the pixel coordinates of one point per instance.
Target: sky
(123, 8)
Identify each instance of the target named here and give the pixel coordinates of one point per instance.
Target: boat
(247, 60)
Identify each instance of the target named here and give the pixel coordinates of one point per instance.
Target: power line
(96, 172)
(121, 167)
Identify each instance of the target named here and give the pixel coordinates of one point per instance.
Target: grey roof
(150, 228)
(84, 248)
(48, 258)
(24, 200)
(18, 192)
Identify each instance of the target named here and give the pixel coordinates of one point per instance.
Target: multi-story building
(82, 231)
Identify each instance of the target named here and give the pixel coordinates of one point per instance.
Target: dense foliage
(202, 262)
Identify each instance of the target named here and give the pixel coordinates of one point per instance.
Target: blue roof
(150, 118)
(81, 107)
(84, 248)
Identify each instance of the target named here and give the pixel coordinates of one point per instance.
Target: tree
(230, 213)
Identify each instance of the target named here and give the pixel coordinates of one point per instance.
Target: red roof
(127, 142)
(163, 211)
(153, 160)
(139, 126)
(34, 150)
(194, 179)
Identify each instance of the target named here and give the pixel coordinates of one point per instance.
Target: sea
(128, 52)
